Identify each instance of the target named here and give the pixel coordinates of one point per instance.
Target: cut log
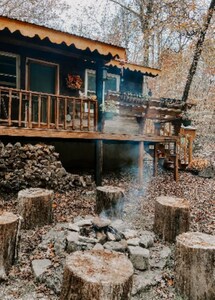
(35, 207)
(172, 217)
(109, 201)
(195, 265)
(97, 275)
(9, 228)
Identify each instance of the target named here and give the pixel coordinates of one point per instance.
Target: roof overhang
(58, 37)
(134, 67)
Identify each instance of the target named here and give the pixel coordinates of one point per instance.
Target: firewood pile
(25, 166)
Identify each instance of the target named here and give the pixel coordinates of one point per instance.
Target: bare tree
(44, 12)
(198, 51)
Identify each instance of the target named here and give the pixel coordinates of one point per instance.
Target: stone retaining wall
(24, 166)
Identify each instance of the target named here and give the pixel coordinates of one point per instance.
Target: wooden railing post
(30, 111)
(20, 109)
(9, 107)
(48, 111)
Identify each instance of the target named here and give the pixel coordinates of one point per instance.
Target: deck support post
(99, 92)
(155, 161)
(140, 162)
(98, 162)
(176, 162)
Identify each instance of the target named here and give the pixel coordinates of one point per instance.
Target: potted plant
(186, 118)
(109, 108)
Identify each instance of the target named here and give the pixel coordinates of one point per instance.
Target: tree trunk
(198, 51)
(35, 207)
(172, 217)
(109, 201)
(97, 275)
(195, 265)
(9, 229)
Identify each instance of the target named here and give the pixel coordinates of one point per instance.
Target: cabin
(55, 87)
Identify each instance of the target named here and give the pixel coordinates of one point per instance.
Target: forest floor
(139, 212)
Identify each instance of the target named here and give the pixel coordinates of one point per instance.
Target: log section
(97, 275)
(9, 224)
(172, 217)
(109, 200)
(35, 207)
(195, 265)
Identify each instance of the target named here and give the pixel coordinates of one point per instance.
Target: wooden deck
(69, 134)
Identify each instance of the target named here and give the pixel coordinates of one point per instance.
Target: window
(9, 66)
(111, 84)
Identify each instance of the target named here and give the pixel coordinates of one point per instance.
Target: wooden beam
(155, 161)
(140, 162)
(176, 176)
(99, 92)
(99, 162)
(70, 134)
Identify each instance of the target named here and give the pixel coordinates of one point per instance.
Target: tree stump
(172, 217)
(9, 228)
(110, 201)
(97, 275)
(35, 207)
(195, 265)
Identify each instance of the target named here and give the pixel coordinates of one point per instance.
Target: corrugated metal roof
(134, 67)
(59, 37)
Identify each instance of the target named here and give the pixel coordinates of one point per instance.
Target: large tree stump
(9, 228)
(172, 217)
(97, 275)
(110, 201)
(195, 265)
(35, 207)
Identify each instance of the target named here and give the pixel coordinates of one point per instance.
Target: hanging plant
(74, 82)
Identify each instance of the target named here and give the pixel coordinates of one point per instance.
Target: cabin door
(42, 77)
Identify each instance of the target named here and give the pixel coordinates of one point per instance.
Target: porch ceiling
(59, 37)
(134, 67)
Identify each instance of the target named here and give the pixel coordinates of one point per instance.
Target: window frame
(91, 71)
(17, 57)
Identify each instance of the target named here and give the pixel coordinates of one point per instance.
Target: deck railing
(30, 109)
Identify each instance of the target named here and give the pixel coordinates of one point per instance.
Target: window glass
(8, 70)
(111, 84)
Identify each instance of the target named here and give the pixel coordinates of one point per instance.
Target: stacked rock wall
(24, 166)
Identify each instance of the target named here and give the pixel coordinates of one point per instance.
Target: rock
(139, 257)
(143, 281)
(160, 257)
(147, 239)
(111, 236)
(85, 239)
(73, 227)
(208, 172)
(84, 222)
(101, 237)
(130, 234)
(101, 222)
(72, 240)
(133, 242)
(119, 225)
(98, 246)
(116, 246)
(40, 266)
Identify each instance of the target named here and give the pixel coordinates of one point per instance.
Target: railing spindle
(48, 111)
(57, 113)
(9, 107)
(88, 107)
(73, 113)
(65, 113)
(30, 111)
(20, 109)
(39, 110)
(95, 104)
(81, 115)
